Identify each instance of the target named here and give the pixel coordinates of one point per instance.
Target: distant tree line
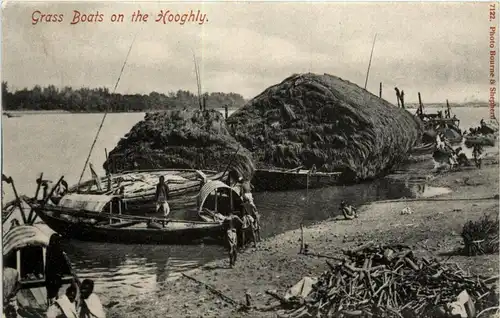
(101, 100)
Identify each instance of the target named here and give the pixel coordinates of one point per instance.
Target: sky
(440, 49)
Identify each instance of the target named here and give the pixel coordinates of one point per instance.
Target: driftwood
(216, 291)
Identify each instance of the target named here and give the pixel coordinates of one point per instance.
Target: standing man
(162, 197)
(230, 227)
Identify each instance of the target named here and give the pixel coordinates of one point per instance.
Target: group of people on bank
(243, 226)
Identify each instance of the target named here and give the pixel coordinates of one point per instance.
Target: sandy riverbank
(432, 230)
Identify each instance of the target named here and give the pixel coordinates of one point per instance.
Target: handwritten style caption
(492, 61)
(163, 17)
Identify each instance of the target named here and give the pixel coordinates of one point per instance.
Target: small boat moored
(25, 250)
(281, 179)
(99, 218)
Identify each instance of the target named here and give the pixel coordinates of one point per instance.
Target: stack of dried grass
(181, 139)
(389, 281)
(481, 236)
(325, 121)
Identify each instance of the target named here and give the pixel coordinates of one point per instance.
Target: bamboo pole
(18, 200)
(45, 200)
(397, 95)
(215, 291)
(302, 245)
(380, 90)
(370, 63)
(105, 114)
(39, 185)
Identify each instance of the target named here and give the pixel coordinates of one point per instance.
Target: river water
(58, 144)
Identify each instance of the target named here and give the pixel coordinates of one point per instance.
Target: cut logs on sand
(389, 281)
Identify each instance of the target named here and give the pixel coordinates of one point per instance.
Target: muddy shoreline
(432, 230)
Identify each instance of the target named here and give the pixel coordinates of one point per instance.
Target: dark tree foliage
(101, 100)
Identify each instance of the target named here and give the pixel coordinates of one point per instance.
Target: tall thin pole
(105, 114)
(370, 63)
(198, 82)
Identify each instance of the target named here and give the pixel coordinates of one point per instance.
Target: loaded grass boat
(25, 249)
(282, 179)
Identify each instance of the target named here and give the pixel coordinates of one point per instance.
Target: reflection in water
(123, 270)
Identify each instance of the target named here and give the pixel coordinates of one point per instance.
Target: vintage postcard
(250, 159)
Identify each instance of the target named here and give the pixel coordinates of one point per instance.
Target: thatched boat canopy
(325, 121)
(189, 139)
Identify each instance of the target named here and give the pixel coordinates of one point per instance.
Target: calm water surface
(58, 144)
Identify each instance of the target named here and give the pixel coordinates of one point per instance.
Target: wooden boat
(10, 115)
(492, 125)
(483, 140)
(280, 179)
(137, 188)
(98, 218)
(24, 249)
(423, 149)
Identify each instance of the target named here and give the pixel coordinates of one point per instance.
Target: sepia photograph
(250, 159)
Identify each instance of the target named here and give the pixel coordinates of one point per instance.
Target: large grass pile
(325, 121)
(180, 139)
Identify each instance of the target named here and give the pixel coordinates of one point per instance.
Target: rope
(105, 114)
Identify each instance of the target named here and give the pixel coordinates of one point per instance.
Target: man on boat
(90, 305)
(230, 226)
(11, 286)
(65, 305)
(162, 195)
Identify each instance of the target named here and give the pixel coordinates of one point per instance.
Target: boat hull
(87, 232)
(423, 149)
(277, 180)
(480, 140)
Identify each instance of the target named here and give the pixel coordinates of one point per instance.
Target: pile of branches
(182, 139)
(389, 281)
(323, 121)
(481, 236)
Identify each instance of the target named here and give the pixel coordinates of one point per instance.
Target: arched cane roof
(210, 187)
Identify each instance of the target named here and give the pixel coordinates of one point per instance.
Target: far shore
(61, 111)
